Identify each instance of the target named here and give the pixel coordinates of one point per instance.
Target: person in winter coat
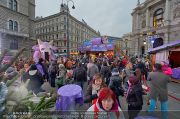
(80, 75)
(92, 69)
(105, 71)
(159, 89)
(141, 66)
(134, 97)
(10, 73)
(93, 88)
(42, 68)
(52, 72)
(127, 72)
(116, 84)
(24, 71)
(61, 76)
(106, 107)
(36, 79)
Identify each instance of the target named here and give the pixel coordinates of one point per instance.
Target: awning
(165, 46)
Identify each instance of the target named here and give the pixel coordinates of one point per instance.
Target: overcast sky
(110, 17)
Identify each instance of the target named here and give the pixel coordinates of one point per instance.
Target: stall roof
(165, 46)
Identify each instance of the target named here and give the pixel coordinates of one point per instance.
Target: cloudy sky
(110, 17)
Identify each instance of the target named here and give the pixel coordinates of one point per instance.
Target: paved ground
(174, 105)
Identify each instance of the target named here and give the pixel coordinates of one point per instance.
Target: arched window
(11, 4)
(11, 25)
(158, 17)
(15, 26)
(15, 5)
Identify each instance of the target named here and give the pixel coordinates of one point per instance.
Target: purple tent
(110, 46)
(96, 41)
(98, 48)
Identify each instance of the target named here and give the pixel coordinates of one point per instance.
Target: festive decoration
(44, 50)
(97, 44)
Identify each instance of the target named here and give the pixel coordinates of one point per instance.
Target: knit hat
(33, 70)
(115, 71)
(33, 67)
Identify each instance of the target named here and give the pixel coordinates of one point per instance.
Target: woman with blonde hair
(94, 87)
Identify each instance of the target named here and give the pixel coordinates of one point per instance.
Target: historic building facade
(127, 44)
(16, 25)
(154, 19)
(55, 27)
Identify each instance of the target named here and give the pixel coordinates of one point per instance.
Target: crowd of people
(107, 80)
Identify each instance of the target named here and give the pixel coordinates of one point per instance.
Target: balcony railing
(7, 31)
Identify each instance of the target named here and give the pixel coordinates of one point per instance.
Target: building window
(64, 43)
(15, 5)
(57, 28)
(64, 35)
(11, 4)
(14, 44)
(158, 17)
(64, 19)
(56, 36)
(15, 26)
(64, 27)
(11, 25)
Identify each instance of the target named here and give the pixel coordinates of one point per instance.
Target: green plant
(19, 100)
(3, 86)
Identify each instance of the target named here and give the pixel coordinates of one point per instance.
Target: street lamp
(67, 23)
(144, 42)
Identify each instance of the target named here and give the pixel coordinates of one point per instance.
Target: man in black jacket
(80, 75)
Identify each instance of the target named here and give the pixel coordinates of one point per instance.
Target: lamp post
(67, 24)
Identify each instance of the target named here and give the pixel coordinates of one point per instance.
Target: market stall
(170, 53)
(98, 47)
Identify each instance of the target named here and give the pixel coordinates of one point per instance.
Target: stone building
(127, 44)
(154, 23)
(16, 25)
(54, 28)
